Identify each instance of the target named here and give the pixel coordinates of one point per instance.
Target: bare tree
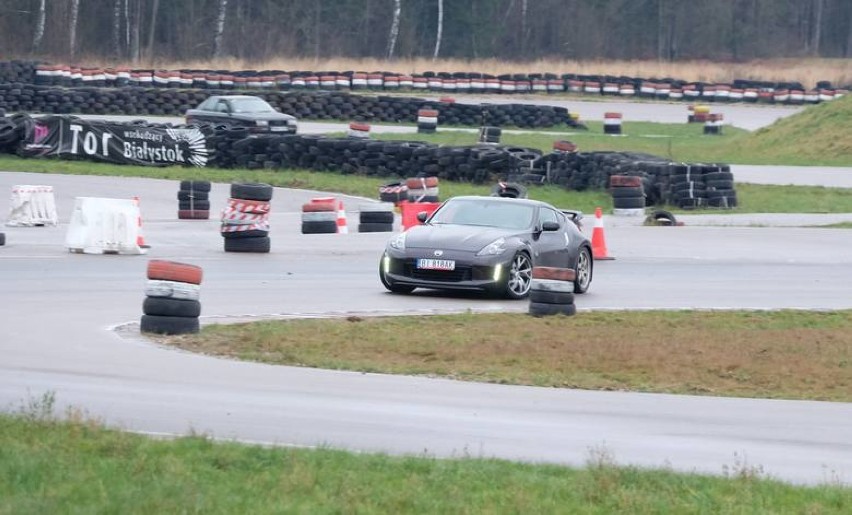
(135, 47)
(394, 30)
(440, 29)
(816, 31)
(39, 32)
(116, 27)
(127, 24)
(524, 7)
(220, 29)
(72, 37)
(152, 28)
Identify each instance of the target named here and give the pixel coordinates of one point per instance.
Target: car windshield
(250, 105)
(486, 213)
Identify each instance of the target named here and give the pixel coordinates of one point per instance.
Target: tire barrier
(245, 221)
(612, 123)
(490, 134)
(740, 90)
(422, 189)
(699, 113)
(308, 105)
(427, 121)
(394, 192)
(319, 216)
(2, 239)
(376, 217)
(359, 130)
(194, 200)
(171, 303)
(552, 292)
(714, 123)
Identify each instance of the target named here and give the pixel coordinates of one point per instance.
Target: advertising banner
(68, 137)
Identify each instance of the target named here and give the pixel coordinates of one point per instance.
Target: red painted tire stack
(552, 291)
(194, 200)
(628, 192)
(245, 221)
(422, 189)
(319, 216)
(171, 298)
(395, 192)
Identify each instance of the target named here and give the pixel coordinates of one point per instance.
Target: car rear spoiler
(575, 216)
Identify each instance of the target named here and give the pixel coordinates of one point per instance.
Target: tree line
(141, 31)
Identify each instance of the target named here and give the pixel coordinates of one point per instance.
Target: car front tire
(519, 277)
(584, 269)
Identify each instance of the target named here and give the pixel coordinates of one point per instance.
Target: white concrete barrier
(32, 206)
(104, 226)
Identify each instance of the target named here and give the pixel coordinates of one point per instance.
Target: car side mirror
(422, 216)
(550, 226)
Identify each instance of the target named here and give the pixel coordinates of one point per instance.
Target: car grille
(279, 123)
(449, 276)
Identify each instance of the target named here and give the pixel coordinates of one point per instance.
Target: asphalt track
(59, 312)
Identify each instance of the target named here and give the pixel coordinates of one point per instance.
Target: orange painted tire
(318, 207)
(162, 270)
(190, 214)
(553, 273)
(415, 183)
(620, 181)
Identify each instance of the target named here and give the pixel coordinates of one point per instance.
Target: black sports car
(489, 244)
(253, 113)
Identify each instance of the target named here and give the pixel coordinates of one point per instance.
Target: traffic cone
(598, 241)
(341, 219)
(140, 238)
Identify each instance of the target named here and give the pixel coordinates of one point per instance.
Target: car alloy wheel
(584, 271)
(520, 276)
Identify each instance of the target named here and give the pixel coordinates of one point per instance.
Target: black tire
(240, 235)
(163, 306)
(327, 227)
(194, 195)
(168, 325)
(720, 185)
(509, 190)
(719, 176)
(195, 205)
(2, 238)
(378, 217)
(627, 192)
(628, 203)
(539, 309)
(203, 186)
(551, 297)
(585, 270)
(252, 191)
(661, 217)
(258, 245)
(375, 227)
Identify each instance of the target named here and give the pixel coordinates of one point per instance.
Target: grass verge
(752, 198)
(768, 354)
(77, 466)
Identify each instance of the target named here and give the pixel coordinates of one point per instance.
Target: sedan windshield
(250, 105)
(486, 213)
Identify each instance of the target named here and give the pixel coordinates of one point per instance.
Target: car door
(550, 247)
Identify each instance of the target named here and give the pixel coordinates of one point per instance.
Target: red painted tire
(160, 269)
(415, 183)
(553, 273)
(318, 207)
(189, 214)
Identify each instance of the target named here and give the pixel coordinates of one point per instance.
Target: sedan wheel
(584, 271)
(520, 277)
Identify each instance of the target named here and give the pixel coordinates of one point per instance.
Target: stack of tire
(490, 134)
(171, 303)
(394, 192)
(552, 291)
(628, 193)
(319, 216)
(194, 200)
(687, 189)
(720, 186)
(427, 121)
(422, 189)
(376, 217)
(245, 222)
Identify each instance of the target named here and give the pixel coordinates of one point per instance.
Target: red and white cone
(140, 238)
(599, 250)
(342, 228)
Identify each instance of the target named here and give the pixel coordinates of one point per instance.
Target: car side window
(548, 215)
(222, 106)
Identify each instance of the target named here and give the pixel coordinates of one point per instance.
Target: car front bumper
(482, 273)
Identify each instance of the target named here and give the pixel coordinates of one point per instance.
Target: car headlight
(398, 242)
(494, 248)
(262, 123)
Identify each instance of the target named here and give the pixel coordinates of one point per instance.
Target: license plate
(436, 264)
(279, 128)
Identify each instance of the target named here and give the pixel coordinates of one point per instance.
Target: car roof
(506, 200)
(234, 97)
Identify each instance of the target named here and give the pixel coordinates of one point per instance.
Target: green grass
(766, 354)
(77, 466)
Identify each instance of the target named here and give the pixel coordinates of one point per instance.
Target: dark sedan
(488, 244)
(251, 112)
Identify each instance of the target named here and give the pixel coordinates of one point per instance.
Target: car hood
(455, 237)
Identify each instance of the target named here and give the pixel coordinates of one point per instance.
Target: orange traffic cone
(341, 219)
(140, 238)
(598, 241)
